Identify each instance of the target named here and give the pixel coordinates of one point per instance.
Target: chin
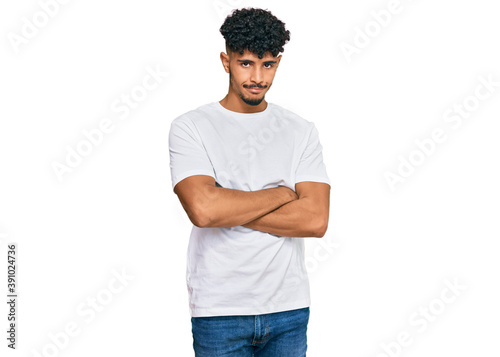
(253, 102)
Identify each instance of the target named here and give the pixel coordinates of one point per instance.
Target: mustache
(253, 86)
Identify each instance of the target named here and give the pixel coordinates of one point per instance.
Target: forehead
(247, 55)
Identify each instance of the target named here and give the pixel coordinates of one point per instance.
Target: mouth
(255, 90)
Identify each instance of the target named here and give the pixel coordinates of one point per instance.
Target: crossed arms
(280, 210)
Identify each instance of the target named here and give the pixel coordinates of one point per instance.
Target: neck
(236, 104)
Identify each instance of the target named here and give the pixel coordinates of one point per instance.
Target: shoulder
(190, 117)
(293, 118)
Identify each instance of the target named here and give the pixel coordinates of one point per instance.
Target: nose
(257, 75)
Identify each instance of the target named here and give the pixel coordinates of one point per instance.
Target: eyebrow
(254, 62)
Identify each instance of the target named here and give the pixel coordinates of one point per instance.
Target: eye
(271, 65)
(243, 64)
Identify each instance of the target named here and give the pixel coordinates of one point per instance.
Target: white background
(387, 253)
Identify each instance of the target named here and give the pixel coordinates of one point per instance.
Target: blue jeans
(278, 334)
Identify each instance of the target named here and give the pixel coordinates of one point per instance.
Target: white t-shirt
(239, 270)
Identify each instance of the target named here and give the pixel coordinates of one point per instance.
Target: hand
(291, 193)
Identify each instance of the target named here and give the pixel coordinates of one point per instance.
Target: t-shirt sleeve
(188, 156)
(311, 166)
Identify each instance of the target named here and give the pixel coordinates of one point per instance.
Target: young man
(251, 178)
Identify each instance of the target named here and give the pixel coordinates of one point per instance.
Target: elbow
(198, 222)
(320, 228)
(203, 214)
(201, 210)
(197, 201)
(199, 217)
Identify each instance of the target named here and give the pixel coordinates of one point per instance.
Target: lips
(255, 90)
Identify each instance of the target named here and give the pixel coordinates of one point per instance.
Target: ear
(279, 60)
(225, 61)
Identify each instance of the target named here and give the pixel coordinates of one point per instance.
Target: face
(250, 77)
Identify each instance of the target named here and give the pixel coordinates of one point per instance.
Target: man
(251, 178)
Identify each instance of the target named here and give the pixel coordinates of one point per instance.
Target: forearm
(294, 219)
(229, 208)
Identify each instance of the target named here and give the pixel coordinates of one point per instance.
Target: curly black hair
(254, 29)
